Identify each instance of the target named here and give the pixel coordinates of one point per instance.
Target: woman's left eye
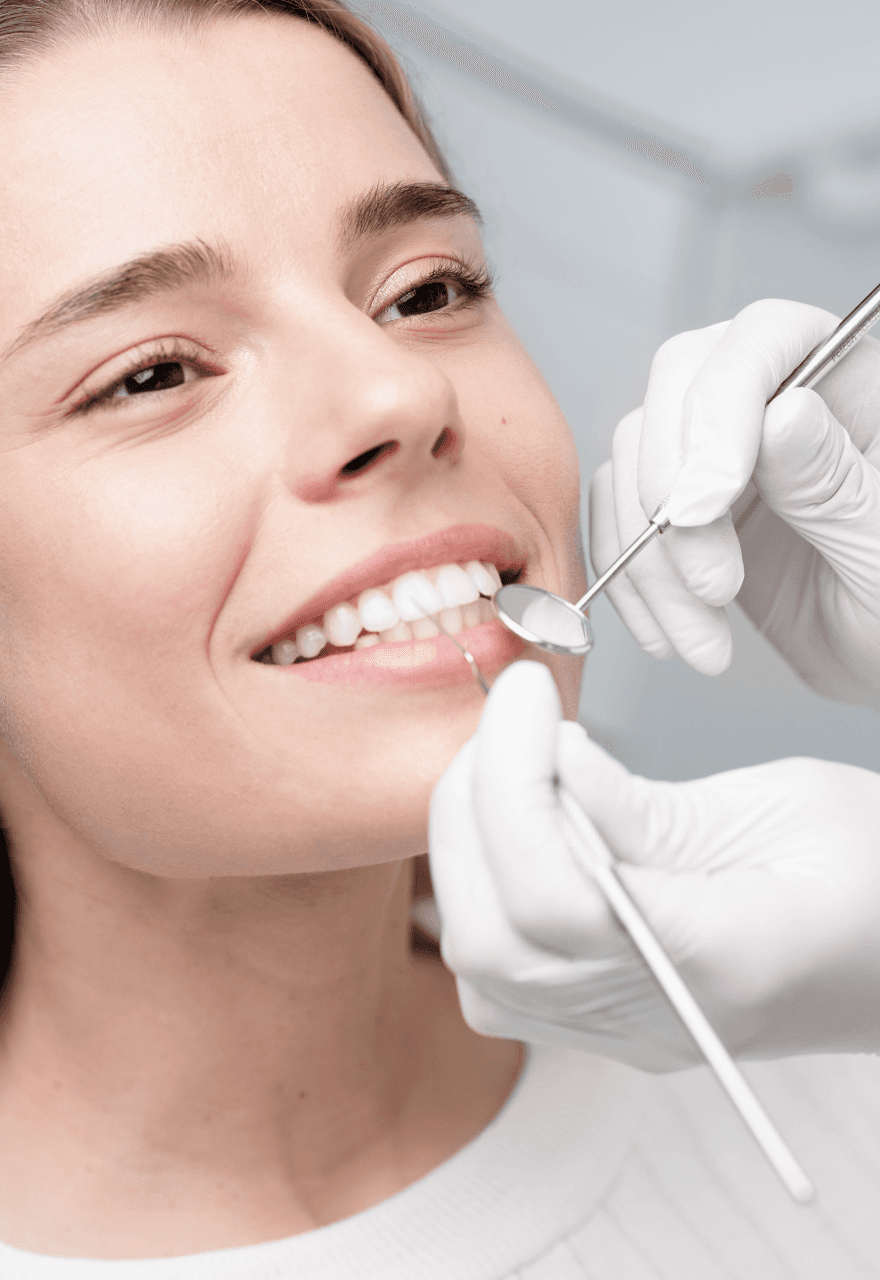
(432, 295)
(444, 287)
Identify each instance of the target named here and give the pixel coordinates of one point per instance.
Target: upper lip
(446, 546)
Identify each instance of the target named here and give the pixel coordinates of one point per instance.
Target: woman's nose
(379, 405)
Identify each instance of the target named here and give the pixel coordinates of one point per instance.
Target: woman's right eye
(160, 369)
(158, 377)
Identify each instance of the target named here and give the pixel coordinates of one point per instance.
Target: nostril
(444, 443)
(365, 460)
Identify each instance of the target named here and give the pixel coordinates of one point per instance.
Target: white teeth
(451, 621)
(455, 586)
(424, 629)
(470, 614)
(454, 593)
(284, 653)
(342, 625)
(376, 611)
(481, 577)
(401, 632)
(414, 597)
(310, 640)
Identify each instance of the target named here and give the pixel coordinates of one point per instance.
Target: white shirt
(594, 1170)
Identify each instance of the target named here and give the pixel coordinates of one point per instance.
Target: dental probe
(546, 620)
(596, 860)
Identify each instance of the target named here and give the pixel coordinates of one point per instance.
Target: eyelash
(168, 351)
(474, 283)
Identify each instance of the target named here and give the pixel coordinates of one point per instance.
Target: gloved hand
(810, 555)
(763, 884)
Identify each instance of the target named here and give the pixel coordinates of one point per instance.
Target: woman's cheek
(532, 435)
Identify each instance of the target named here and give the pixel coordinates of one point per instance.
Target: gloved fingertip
(712, 570)
(576, 752)
(587, 769)
(800, 444)
(799, 417)
(659, 649)
(701, 495)
(718, 594)
(524, 678)
(524, 689)
(724, 589)
(712, 656)
(572, 732)
(517, 735)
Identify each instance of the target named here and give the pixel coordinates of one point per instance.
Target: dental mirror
(551, 623)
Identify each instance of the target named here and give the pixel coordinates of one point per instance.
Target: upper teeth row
(382, 609)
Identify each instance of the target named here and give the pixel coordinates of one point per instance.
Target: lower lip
(431, 662)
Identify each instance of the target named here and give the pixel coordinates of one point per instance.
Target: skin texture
(216, 1033)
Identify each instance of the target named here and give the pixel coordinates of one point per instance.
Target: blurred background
(646, 168)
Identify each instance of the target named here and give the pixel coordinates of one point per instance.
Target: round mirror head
(544, 619)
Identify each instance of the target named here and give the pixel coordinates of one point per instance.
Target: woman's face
(175, 487)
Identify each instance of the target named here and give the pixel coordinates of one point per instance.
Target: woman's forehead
(258, 133)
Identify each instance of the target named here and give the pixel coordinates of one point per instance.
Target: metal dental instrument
(548, 621)
(596, 860)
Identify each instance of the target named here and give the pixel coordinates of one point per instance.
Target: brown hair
(29, 28)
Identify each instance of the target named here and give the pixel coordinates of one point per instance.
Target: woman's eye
(159, 371)
(433, 295)
(157, 377)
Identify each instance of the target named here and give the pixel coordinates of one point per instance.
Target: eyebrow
(397, 204)
(385, 207)
(149, 275)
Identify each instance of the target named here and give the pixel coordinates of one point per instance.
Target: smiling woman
(261, 421)
(259, 413)
(29, 29)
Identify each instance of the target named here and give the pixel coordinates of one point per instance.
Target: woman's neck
(192, 1065)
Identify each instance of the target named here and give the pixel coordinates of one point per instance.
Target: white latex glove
(763, 884)
(811, 546)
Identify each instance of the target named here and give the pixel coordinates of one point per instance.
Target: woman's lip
(446, 546)
(416, 662)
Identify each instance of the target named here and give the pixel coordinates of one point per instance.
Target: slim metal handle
(583, 839)
(657, 525)
(831, 350)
